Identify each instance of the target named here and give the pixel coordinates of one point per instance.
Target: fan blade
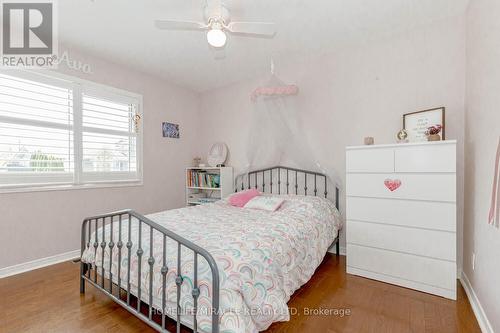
(214, 8)
(253, 28)
(179, 25)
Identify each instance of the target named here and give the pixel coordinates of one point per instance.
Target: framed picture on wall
(170, 130)
(417, 123)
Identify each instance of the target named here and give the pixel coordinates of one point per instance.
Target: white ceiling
(122, 31)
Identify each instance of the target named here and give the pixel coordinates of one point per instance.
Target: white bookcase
(199, 192)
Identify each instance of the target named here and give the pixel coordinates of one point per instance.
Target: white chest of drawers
(403, 235)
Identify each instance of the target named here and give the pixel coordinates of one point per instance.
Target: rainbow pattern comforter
(262, 257)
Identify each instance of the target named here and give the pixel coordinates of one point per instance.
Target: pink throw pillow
(241, 198)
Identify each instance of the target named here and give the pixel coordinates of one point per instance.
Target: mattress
(262, 257)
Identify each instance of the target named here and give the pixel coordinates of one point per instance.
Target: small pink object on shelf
(433, 133)
(392, 185)
(241, 198)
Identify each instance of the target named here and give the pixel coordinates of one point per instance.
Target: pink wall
(482, 133)
(41, 224)
(358, 91)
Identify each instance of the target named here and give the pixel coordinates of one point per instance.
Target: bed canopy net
(276, 135)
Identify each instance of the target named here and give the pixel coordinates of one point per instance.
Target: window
(63, 131)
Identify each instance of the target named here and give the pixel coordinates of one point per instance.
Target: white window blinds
(109, 138)
(36, 136)
(58, 131)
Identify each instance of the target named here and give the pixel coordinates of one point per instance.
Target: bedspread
(262, 257)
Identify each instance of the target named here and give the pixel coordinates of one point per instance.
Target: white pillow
(270, 204)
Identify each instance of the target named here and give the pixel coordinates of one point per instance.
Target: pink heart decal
(392, 185)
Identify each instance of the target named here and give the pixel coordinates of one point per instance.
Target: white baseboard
(332, 250)
(38, 263)
(482, 320)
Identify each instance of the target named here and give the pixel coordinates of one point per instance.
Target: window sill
(68, 187)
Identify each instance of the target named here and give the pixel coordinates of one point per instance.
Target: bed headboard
(285, 180)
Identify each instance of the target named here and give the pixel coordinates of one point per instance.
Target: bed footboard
(90, 226)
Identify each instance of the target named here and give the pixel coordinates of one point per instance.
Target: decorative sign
(417, 123)
(73, 64)
(494, 215)
(170, 130)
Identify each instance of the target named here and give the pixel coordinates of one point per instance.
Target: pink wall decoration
(494, 215)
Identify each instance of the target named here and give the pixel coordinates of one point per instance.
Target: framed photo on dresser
(417, 123)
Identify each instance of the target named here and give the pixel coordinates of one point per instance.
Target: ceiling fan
(217, 23)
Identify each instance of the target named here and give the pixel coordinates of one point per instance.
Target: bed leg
(83, 270)
(337, 247)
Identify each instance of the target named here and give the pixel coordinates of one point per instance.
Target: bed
(215, 267)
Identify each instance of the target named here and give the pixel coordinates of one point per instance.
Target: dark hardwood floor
(48, 300)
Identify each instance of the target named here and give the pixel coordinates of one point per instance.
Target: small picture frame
(417, 123)
(170, 130)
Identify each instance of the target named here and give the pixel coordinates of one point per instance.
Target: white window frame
(78, 179)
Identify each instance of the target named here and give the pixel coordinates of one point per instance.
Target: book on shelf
(208, 184)
(202, 178)
(208, 200)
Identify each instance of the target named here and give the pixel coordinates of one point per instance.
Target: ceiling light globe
(216, 38)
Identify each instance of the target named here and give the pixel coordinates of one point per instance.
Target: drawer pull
(392, 184)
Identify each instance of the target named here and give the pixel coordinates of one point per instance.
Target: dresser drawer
(422, 242)
(370, 160)
(406, 213)
(406, 267)
(429, 158)
(429, 187)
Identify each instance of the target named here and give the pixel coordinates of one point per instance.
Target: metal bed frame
(284, 177)
(132, 303)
